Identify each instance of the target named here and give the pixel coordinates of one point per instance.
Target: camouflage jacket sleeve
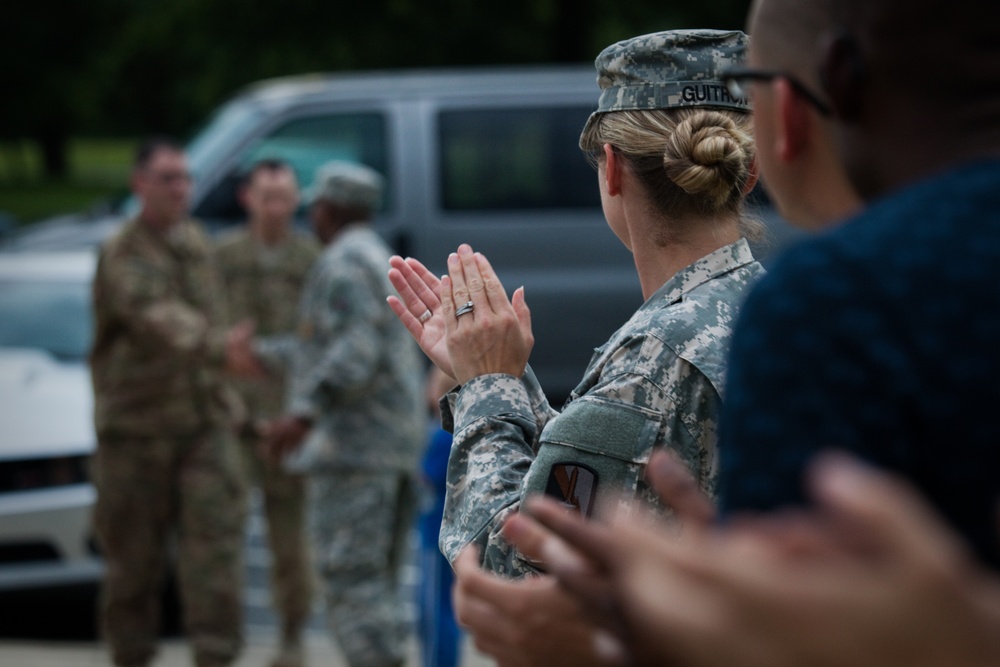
(277, 352)
(340, 351)
(141, 295)
(540, 407)
(495, 432)
(536, 397)
(653, 385)
(498, 435)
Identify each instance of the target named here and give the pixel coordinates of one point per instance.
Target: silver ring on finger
(465, 309)
(425, 316)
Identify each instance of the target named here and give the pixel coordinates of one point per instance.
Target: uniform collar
(724, 260)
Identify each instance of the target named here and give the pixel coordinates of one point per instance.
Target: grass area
(32, 202)
(98, 171)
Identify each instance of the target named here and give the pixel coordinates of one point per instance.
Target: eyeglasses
(737, 80)
(169, 177)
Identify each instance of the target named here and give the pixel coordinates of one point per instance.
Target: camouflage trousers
(155, 495)
(284, 507)
(361, 522)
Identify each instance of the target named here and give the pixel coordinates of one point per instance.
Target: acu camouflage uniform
(358, 374)
(265, 284)
(167, 463)
(656, 384)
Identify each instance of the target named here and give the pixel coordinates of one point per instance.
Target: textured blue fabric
(881, 337)
(439, 633)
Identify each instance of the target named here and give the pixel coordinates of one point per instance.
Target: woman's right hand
(486, 332)
(418, 307)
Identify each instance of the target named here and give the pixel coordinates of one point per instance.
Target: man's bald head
(914, 84)
(785, 35)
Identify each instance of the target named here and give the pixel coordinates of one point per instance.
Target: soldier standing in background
(264, 267)
(356, 419)
(167, 464)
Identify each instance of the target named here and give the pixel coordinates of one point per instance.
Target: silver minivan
(488, 158)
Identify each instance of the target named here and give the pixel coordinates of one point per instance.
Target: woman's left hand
(485, 331)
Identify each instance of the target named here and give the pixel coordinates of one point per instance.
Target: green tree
(127, 67)
(50, 48)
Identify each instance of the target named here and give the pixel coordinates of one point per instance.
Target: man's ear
(612, 170)
(793, 122)
(843, 75)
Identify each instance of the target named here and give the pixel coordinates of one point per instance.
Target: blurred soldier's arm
(336, 353)
(141, 295)
(340, 343)
(277, 353)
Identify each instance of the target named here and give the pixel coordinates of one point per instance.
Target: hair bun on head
(664, 107)
(707, 155)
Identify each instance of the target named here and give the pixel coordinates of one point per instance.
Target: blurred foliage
(26, 203)
(94, 161)
(130, 67)
(97, 175)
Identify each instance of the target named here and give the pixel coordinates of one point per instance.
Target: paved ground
(260, 626)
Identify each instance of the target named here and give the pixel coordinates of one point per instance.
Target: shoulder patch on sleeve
(609, 429)
(594, 450)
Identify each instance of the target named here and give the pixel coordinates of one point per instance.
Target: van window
(507, 159)
(307, 143)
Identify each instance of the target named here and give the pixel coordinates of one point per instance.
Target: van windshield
(229, 124)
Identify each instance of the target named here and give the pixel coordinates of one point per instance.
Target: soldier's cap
(347, 184)
(669, 70)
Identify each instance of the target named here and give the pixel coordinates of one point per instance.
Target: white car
(46, 422)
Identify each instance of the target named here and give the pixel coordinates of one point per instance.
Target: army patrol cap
(348, 184)
(669, 70)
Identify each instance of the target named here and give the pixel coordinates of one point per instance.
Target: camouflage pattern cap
(668, 70)
(347, 184)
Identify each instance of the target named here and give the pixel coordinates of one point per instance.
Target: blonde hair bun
(706, 155)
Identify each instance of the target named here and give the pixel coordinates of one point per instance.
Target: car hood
(64, 232)
(46, 406)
